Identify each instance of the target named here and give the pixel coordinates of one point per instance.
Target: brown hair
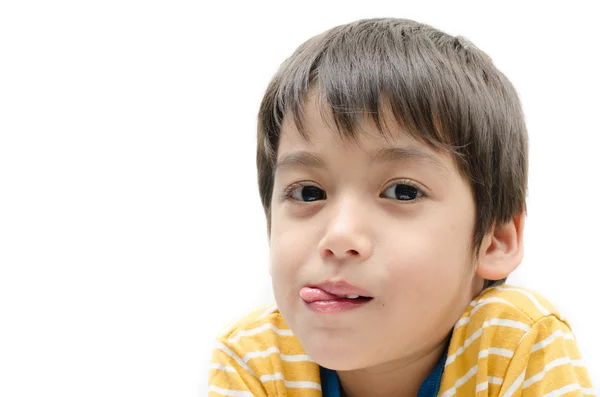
(441, 90)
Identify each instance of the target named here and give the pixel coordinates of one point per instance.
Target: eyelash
(288, 192)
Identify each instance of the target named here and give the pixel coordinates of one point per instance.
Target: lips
(309, 295)
(333, 290)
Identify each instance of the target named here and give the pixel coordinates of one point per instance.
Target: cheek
(293, 240)
(287, 247)
(287, 263)
(428, 279)
(290, 251)
(430, 255)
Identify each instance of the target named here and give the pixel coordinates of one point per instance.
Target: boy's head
(393, 157)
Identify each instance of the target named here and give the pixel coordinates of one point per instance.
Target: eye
(306, 193)
(402, 192)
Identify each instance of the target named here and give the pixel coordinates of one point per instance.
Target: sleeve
(547, 362)
(229, 375)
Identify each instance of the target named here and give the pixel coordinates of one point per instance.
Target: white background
(130, 222)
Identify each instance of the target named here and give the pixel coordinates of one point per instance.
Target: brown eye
(402, 192)
(308, 193)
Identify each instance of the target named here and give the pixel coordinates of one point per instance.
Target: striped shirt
(509, 342)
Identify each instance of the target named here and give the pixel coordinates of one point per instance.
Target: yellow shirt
(509, 342)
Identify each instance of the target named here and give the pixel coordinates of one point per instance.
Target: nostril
(329, 252)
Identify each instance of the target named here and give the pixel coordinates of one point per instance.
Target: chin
(337, 365)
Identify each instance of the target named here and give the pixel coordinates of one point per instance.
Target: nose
(346, 235)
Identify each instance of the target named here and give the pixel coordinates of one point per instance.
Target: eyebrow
(308, 159)
(386, 155)
(300, 158)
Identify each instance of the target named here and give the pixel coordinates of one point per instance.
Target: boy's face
(398, 224)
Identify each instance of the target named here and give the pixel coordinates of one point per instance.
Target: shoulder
(500, 327)
(530, 305)
(505, 312)
(261, 348)
(261, 330)
(258, 316)
(500, 316)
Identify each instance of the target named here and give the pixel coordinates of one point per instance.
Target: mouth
(334, 297)
(315, 294)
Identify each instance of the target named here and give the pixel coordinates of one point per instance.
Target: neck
(402, 377)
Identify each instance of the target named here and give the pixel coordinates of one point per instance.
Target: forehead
(318, 131)
(317, 126)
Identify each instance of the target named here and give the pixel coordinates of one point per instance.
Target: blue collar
(330, 383)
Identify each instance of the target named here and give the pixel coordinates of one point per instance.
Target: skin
(412, 254)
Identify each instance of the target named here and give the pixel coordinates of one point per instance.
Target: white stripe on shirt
(479, 305)
(488, 323)
(496, 352)
(556, 334)
(532, 298)
(228, 392)
(563, 390)
(222, 367)
(515, 386)
(290, 384)
(460, 381)
(274, 350)
(258, 330)
(235, 357)
(540, 375)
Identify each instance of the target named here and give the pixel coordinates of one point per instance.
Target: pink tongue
(316, 294)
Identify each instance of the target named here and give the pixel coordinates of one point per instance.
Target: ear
(502, 249)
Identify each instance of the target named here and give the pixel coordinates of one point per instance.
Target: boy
(392, 167)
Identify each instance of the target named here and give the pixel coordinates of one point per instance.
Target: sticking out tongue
(310, 294)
